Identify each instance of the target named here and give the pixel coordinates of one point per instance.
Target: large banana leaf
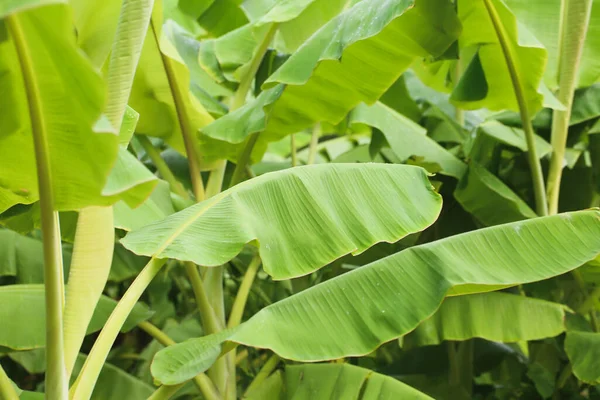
(286, 211)
(343, 381)
(155, 208)
(486, 81)
(496, 316)
(352, 47)
(70, 95)
(354, 313)
(407, 138)
(583, 349)
(23, 316)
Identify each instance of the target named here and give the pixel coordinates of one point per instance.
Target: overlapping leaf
(583, 349)
(354, 313)
(285, 211)
(500, 317)
(343, 51)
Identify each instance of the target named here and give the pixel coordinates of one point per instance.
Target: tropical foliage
(298, 199)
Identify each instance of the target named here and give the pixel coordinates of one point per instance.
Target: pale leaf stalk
(207, 314)
(90, 267)
(165, 392)
(534, 162)
(575, 20)
(189, 135)
(56, 377)
(7, 390)
(162, 167)
(293, 150)
(314, 141)
(202, 382)
(215, 179)
(239, 99)
(83, 387)
(241, 298)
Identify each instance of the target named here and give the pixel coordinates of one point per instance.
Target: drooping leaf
(284, 211)
(406, 138)
(22, 310)
(70, 95)
(486, 81)
(488, 199)
(342, 51)
(343, 381)
(583, 349)
(356, 312)
(496, 316)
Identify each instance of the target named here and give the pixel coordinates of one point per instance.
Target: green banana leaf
(343, 381)
(406, 138)
(486, 81)
(343, 51)
(155, 208)
(70, 94)
(285, 212)
(22, 312)
(356, 312)
(488, 199)
(496, 316)
(583, 349)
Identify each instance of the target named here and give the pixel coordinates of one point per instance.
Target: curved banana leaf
(542, 18)
(343, 381)
(22, 312)
(155, 208)
(496, 316)
(488, 199)
(486, 81)
(583, 349)
(352, 47)
(285, 212)
(407, 138)
(354, 313)
(71, 96)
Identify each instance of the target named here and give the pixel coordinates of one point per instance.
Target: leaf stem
(210, 322)
(162, 167)
(82, 389)
(237, 310)
(534, 162)
(293, 150)
(7, 390)
(575, 20)
(239, 98)
(264, 373)
(314, 141)
(202, 382)
(215, 179)
(189, 139)
(165, 392)
(56, 377)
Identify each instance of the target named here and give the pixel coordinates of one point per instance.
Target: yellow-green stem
(534, 162)
(459, 114)
(162, 167)
(84, 385)
(210, 322)
(264, 373)
(314, 141)
(215, 179)
(56, 377)
(202, 382)
(189, 139)
(239, 99)
(293, 150)
(575, 20)
(165, 392)
(7, 390)
(241, 298)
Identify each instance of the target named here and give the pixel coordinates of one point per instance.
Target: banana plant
(270, 199)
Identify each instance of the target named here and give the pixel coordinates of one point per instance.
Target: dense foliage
(299, 199)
